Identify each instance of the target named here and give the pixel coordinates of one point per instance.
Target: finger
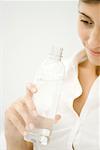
(23, 112)
(57, 118)
(16, 122)
(30, 127)
(30, 89)
(29, 104)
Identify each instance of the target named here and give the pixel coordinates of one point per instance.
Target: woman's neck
(92, 69)
(97, 70)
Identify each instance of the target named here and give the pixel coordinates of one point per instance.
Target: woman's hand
(17, 117)
(20, 115)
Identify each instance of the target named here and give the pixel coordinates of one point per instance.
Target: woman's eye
(86, 22)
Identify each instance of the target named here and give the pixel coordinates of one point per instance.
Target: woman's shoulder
(77, 57)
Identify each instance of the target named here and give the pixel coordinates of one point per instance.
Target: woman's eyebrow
(85, 15)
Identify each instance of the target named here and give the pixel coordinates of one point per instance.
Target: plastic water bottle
(49, 80)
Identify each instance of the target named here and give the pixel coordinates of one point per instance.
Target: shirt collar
(77, 58)
(73, 86)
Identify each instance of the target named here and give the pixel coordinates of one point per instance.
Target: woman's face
(89, 30)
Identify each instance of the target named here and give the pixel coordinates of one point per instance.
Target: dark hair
(90, 1)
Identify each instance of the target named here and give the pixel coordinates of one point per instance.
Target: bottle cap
(44, 136)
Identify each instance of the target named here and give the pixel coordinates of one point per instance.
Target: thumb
(30, 89)
(57, 118)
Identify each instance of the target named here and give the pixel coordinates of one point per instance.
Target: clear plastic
(49, 80)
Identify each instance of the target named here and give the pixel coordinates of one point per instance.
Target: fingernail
(57, 118)
(34, 90)
(30, 86)
(31, 126)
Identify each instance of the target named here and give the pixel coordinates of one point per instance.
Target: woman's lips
(94, 53)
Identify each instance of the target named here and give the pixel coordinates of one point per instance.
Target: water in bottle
(49, 80)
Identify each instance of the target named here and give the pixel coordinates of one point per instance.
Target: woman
(80, 102)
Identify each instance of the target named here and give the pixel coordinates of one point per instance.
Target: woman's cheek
(83, 34)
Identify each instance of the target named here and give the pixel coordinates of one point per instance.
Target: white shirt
(82, 132)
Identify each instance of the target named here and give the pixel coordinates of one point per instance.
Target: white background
(27, 32)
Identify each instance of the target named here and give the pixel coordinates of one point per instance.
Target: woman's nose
(94, 40)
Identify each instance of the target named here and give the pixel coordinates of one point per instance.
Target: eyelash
(86, 22)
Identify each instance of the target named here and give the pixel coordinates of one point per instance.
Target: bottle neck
(54, 57)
